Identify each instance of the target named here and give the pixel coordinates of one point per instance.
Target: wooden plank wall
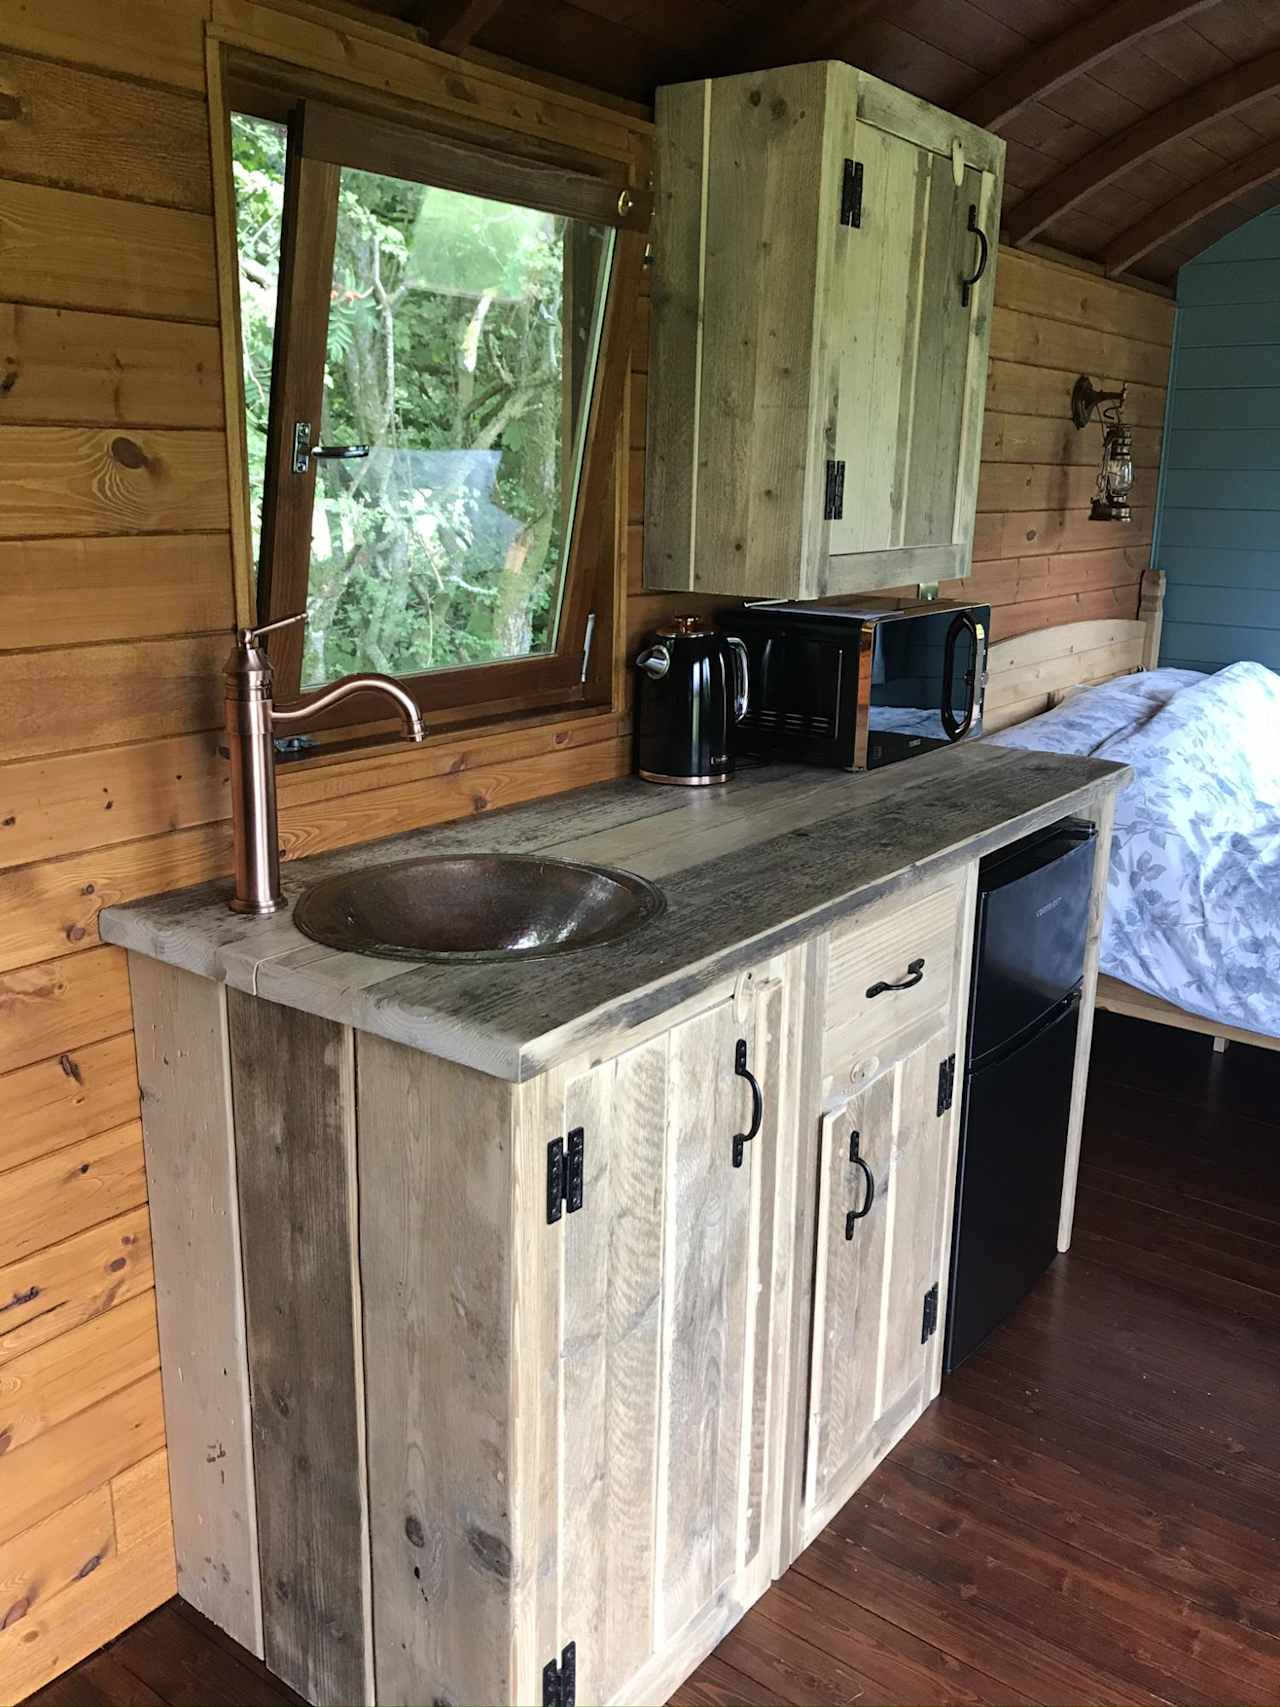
(115, 601)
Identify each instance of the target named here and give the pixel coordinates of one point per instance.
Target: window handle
(304, 452)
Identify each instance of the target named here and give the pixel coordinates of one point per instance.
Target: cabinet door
(881, 1212)
(945, 424)
(658, 1414)
(910, 355)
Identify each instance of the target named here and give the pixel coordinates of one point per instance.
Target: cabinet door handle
(741, 1139)
(915, 972)
(984, 255)
(855, 1215)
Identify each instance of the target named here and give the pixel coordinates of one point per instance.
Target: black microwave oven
(857, 687)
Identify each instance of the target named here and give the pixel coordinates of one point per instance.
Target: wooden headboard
(1032, 672)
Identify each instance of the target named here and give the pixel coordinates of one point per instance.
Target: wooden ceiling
(1138, 131)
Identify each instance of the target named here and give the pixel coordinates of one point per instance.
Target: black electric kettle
(692, 688)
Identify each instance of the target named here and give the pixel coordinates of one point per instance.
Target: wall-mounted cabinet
(823, 263)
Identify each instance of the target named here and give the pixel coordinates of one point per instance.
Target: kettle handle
(742, 690)
(655, 661)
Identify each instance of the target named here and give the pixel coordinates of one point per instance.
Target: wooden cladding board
(293, 1104)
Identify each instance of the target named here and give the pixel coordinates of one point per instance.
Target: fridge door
(1012, 1152)
(1032, 927)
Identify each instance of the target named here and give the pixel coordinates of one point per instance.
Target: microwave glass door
(923, 683)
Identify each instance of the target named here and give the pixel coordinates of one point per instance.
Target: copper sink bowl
(475, 907)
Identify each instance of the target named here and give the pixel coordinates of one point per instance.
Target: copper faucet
(252, 722)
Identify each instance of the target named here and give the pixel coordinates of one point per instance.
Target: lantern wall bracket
(1084, 399)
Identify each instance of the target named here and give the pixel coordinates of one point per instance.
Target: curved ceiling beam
(1235, 89)
(1227, 184)
(1085, 44)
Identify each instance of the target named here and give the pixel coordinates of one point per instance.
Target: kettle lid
(686, 628)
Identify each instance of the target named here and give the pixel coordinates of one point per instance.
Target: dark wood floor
(1090, 1513)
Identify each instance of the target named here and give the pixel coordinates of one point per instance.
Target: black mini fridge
(1029, 947)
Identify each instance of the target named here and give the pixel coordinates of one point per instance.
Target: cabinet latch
(851, 194)
(833, 501)
(946, 1084)
(560, 1682)
(929, 1319)
(564, 1175)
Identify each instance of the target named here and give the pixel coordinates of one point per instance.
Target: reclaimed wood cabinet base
(499, 1361)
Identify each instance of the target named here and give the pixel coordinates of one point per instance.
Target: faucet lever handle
(249, 636)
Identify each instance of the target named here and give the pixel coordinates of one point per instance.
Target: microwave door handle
(950, 727)
(742, 687)
(957, 729)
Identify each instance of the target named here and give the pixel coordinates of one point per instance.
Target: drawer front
(890, 981)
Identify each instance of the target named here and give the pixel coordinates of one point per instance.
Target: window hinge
(851, 194)
(929, 1318)
(560, 1682)
(833, 502)
(564, 1175)
(946, 1084)
(587, 639)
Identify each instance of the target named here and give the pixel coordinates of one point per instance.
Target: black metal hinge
(564, 1175)
(851, 194)
(560, 1682)
(946, 1084)
(929, 1320)
(833, 502)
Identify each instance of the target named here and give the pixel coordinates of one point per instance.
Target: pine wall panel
(116, 595)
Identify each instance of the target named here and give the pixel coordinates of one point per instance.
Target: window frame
(331, 125)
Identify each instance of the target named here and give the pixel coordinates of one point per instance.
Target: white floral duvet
(1193, 906)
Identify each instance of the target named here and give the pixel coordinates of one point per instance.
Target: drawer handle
(741, 1139)
(915, 972)
(855, 1215)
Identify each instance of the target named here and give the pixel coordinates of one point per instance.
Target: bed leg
(1220, 1045)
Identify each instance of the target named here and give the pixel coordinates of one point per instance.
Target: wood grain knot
(128, 453)
(10, 105)
(491, 1552)
(414, 1533)
(19, 1609)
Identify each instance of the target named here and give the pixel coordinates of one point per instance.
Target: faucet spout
(296, 715)
(251, 721)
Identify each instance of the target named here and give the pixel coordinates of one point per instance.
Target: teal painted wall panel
(1223, 447)
(1198, 566)
(1205, 646)
(1218, 513)
(1256, 410)
(1222, 489)
(1249, 364)
(1229, 281)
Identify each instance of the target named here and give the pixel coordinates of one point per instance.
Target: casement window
(433, 327)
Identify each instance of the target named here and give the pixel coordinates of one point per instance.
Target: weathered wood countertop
(777, 854)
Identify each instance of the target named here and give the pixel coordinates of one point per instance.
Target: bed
(1193, 923)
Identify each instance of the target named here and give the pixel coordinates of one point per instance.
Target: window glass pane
(462, 338)
(257, 151)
